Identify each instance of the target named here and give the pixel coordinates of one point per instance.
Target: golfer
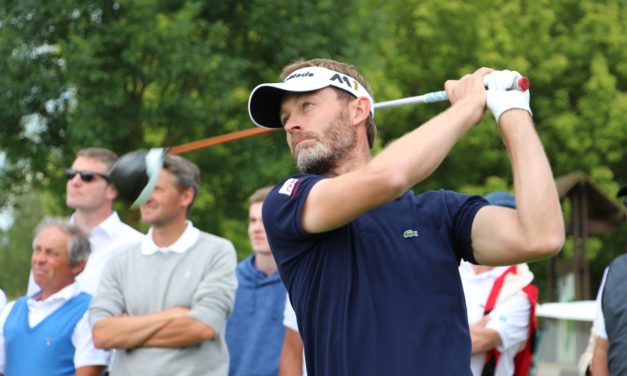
(372, 268)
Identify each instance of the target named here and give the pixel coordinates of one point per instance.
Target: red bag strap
(522, 361)
(496, 289)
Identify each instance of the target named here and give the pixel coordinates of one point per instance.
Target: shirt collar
(106, 227)
(66, 293)
(182, 244)
(110, 224)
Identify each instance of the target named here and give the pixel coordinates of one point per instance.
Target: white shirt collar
(109, 225)
(106, 227)
(182, 244)
(63, 295)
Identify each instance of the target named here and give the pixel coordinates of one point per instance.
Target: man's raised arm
(535, 229)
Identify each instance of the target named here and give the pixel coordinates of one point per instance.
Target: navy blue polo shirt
(381, 295)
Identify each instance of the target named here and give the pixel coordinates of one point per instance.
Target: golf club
(521, 83)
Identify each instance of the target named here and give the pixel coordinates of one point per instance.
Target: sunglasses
(86, 176)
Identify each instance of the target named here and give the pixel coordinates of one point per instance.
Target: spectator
(164, 304)
(610, 322)
(48, 333)
(363, 257)
(500, 303)
(90, 193)
(254, 333)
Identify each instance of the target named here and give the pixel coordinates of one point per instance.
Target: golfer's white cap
(264, 103)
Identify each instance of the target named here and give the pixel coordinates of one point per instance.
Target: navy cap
(501, 199)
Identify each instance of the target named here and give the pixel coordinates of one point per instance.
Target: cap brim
(264, 104)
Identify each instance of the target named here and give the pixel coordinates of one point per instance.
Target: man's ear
(187, 196)
(78, 268)
(111, 192)
(361, 110)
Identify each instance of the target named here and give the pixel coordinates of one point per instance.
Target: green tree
(149, 73)
(574, 54)
(16, 242)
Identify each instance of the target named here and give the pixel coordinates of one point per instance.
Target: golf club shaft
(239, 135)
(521, 83)
(436, 96)
(221, 139)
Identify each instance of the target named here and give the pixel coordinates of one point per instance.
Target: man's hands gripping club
(503, 94)
(506, 90)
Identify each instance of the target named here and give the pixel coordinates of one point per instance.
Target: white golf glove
(502, 94)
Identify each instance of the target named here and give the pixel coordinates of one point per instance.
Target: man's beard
(338, 140)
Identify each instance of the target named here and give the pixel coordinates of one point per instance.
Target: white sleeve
(86, 353)
(598, 324)
(4, 314)
(511, 320)
(3, 299)
(289, 316)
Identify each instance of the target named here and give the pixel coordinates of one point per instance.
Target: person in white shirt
(506, 327)
(49, 332)
(90, 193)
(609, 328)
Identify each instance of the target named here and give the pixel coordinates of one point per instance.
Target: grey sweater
(202, 279)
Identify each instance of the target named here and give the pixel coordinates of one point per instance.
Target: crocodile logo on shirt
(410, 234)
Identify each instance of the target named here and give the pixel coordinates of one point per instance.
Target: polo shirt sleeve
(282, 213)
(511, 320)
(86, 353)
(462, 210)
(283, 207)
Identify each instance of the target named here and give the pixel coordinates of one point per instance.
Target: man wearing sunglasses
(90, 193)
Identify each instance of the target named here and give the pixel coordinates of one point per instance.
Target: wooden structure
(592, 212)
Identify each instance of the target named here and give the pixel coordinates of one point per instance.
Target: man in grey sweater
(163, 303)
